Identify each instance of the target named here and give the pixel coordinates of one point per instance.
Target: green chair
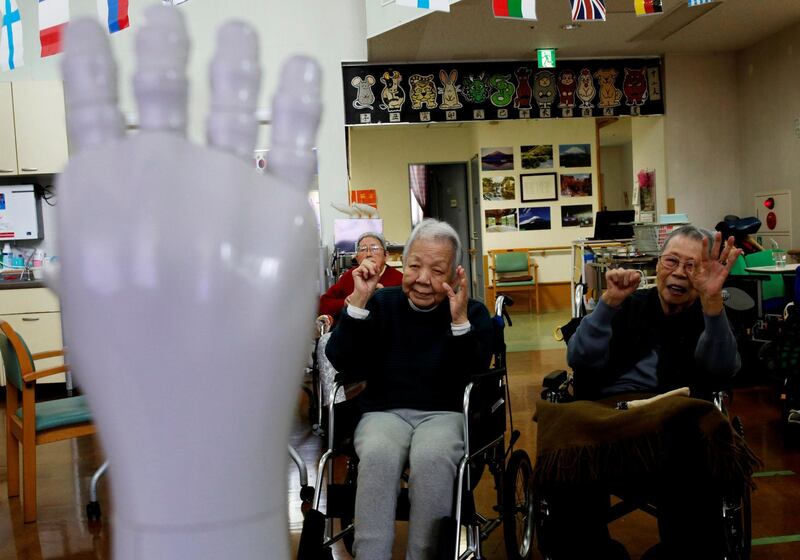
(774, 287)
(512, 271)
(29, 423)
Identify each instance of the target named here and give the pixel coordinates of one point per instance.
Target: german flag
(648, 7)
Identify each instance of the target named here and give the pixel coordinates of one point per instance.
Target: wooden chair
(33, 423)
(513, 271)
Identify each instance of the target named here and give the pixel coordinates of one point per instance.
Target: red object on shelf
(772, 220)
(769, 203)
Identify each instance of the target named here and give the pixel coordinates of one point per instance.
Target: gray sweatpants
(432, 443)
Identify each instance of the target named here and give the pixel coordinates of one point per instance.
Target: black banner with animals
(475, 91)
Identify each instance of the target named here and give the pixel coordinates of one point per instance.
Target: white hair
(430, 229)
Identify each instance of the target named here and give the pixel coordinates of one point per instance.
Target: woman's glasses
(374, 249)
(671, 262)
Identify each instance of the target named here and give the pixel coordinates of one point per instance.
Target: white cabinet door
(41, 127)
(8, 146)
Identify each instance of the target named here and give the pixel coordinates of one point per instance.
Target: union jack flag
(584, 10)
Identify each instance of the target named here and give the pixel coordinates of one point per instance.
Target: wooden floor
(65, 468)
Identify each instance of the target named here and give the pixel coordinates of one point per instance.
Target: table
(787, 271)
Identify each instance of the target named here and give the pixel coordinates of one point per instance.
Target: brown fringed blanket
(588, 441)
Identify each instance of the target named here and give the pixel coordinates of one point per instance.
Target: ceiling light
(570, 26)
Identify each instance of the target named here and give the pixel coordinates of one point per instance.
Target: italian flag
(648, 7)
(517, 9)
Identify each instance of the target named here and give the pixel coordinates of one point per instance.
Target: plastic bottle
(38, 256)
(7, 256)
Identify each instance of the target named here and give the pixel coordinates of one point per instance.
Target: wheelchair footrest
(554, 379)
(341, 500)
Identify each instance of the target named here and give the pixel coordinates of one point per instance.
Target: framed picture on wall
(535, 187)
(531, 219)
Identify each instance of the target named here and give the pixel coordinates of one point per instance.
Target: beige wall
(380, 157)
(768, 105)
(700, 137)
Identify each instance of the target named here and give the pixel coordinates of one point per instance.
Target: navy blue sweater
(409, 358)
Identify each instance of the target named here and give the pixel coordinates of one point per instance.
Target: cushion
(513, 277)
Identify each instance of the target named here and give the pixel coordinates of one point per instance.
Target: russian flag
(114, 13)
(53, 17)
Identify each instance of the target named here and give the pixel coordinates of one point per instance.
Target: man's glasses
(374, 249)
(671, 262)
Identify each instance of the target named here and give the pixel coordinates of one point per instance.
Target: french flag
(114, 13)
(53, 17)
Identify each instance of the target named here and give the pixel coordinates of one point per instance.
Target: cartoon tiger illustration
(423, 91)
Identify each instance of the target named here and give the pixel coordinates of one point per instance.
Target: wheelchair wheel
(517, 507)
(737, 519)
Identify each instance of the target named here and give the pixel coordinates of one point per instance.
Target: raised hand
(458, 297)
(188, 285)
(620, 283)
(365, 282)
(711, 270)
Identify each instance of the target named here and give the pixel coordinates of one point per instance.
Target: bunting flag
(114, 13)
(433, 5)
(517, 9)
(698, 2)
(647, 7)
(587, 10)
(53, 18)
(10, 36)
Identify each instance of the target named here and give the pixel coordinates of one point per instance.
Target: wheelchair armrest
(487, 376)
(554, 379)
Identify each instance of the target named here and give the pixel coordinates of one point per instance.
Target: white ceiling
(471, 32)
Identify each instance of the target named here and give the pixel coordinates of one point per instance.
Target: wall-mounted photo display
(575, 155)
(497, 159)
(538, 156)
(577, 215)
(576, 184)
(531, 219)
(499, 188)
(535, 187)
(500, 220)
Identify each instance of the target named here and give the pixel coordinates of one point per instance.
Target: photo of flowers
(497, 159)
(576, 184)
(575, 155)
(534, 218)
(537, 156)
(501, 220)
(577, 215)
(499, 188)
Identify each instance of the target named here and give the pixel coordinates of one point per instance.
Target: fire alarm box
(20, 213)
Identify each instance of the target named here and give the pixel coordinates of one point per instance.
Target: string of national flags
(582, 10)
(53, 18)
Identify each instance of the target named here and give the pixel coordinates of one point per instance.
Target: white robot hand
(187, 284)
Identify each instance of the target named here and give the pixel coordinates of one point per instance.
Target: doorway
(441, 191)
(615, 145)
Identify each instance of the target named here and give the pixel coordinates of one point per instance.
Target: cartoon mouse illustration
(364, 96)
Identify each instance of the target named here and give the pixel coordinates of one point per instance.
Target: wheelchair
(487, 412)
(735, 507)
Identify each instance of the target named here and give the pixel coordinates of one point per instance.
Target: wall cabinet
(36, 315)
(33, 130)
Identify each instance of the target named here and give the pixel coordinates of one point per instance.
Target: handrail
(534, 249)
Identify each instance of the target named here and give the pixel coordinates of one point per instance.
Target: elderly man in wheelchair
(677, 455)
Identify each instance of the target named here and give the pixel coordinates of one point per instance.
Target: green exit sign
(546, 58)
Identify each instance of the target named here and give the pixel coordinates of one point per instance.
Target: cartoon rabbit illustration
(449, 90)
(364, 96)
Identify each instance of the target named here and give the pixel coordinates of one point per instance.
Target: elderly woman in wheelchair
(677, 453)
(422, 348)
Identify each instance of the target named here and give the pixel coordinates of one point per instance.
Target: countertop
(21, 284)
